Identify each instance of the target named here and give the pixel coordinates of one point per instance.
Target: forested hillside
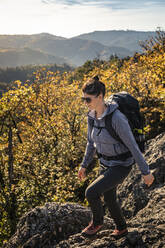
(43, 128)
(25, 73)
(27, 56)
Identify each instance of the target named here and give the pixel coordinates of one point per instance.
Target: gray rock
(46, 226)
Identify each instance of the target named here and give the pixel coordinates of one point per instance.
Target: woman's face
(92, 101)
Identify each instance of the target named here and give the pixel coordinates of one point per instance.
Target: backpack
(129, 106)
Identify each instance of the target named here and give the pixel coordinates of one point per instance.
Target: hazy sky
(69, 18)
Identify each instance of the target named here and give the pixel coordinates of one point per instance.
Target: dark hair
(94, 87)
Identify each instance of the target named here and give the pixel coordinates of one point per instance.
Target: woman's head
(93, 93)
(94, 87)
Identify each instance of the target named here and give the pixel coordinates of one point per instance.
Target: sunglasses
(86, 99)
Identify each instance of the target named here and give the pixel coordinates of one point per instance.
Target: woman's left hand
(148, 179)
(82, 173)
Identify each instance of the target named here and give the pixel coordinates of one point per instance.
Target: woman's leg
(104, 183)
(114, 209)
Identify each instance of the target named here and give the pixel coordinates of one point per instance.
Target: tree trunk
(12, 204)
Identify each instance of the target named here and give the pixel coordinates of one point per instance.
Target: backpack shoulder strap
(108, 126)
(90, 122)
(110, 129)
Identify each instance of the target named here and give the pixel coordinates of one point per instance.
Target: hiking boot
(119, 234)
(91, 229)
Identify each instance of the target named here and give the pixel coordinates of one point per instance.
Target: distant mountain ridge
(46, 48)
(15, 41)
(119, 38)
(26, 56)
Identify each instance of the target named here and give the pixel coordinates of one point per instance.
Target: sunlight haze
(68, 18)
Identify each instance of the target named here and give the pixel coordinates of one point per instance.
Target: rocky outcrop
(134, 195)
(55, 225)
(46, 226)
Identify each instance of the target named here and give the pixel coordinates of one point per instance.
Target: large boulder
(45, 226)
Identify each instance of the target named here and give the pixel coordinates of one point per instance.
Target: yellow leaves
(162, 91)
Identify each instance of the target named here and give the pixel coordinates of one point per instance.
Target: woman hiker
(112, 171)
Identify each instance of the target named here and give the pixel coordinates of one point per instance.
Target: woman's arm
(90, 149)
(122, 128)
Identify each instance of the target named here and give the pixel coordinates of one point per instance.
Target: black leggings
(106, 185)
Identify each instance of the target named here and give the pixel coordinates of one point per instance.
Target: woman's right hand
(82, 173)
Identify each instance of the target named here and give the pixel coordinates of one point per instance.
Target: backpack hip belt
(121, 157)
